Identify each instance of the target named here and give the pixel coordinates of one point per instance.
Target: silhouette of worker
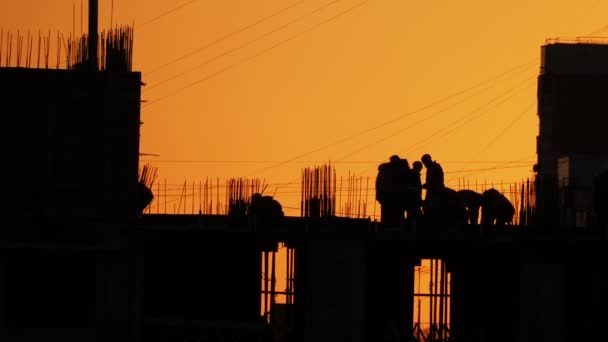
(264, 212)
(391, 191)
(414, 195)
(496, 209)
(472, 202)
(434, 182)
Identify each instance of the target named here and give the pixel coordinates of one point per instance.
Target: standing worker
(414, 195)
(434, 182)
(391, 184)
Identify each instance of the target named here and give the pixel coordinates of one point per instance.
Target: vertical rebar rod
(1, 43)
(93, 38)
(19, 44)
(47, 49)
(440, 293)
(9, 43)
(30, 40)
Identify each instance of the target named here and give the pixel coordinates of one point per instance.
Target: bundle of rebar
(20, 50)
(318, 192)
(353, 201)
(239, 192)
(116, 52)
(147, 175)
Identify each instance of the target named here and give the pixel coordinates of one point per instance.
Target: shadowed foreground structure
(178, 278)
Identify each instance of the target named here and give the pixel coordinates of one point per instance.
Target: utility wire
(226, 36)
(504, 130)
(166, 13)
(244, 45)
(511, 93)
(494, 99)
(396, 119)
(262, 52)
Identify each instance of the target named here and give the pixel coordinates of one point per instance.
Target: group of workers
(399, 192)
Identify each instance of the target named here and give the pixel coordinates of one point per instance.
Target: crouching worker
(264, 213)
(496, 209)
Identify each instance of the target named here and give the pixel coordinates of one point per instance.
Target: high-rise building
(573, 120)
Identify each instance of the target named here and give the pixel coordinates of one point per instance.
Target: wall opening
(432, 305)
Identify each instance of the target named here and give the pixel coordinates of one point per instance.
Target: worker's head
(417, 166)
(394, 158)
(256, 197)
(426, 159)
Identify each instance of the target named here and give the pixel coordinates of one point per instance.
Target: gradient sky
(265, 88)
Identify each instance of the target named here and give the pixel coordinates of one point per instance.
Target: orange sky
(263, 89)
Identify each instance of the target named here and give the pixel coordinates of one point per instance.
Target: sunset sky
(265, 88)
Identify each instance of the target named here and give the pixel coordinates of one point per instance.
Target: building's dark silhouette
(572, 111)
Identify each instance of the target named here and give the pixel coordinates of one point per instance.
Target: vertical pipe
(435, 295)
(265, 253)
(440, 292)
(272, 284)
(445, 299)
(431, 300)
(93, 28)
(442, 298)
(448, 310)
(287, 285)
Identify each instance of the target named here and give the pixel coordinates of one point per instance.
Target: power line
(496, 98)
(475, 117)
(226, 36)
(244, 45)
(172, 10)
(398, 118)
(210, 76)
(426, 118)
(504, 130)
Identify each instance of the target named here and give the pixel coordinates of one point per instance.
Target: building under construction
(78, 262)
